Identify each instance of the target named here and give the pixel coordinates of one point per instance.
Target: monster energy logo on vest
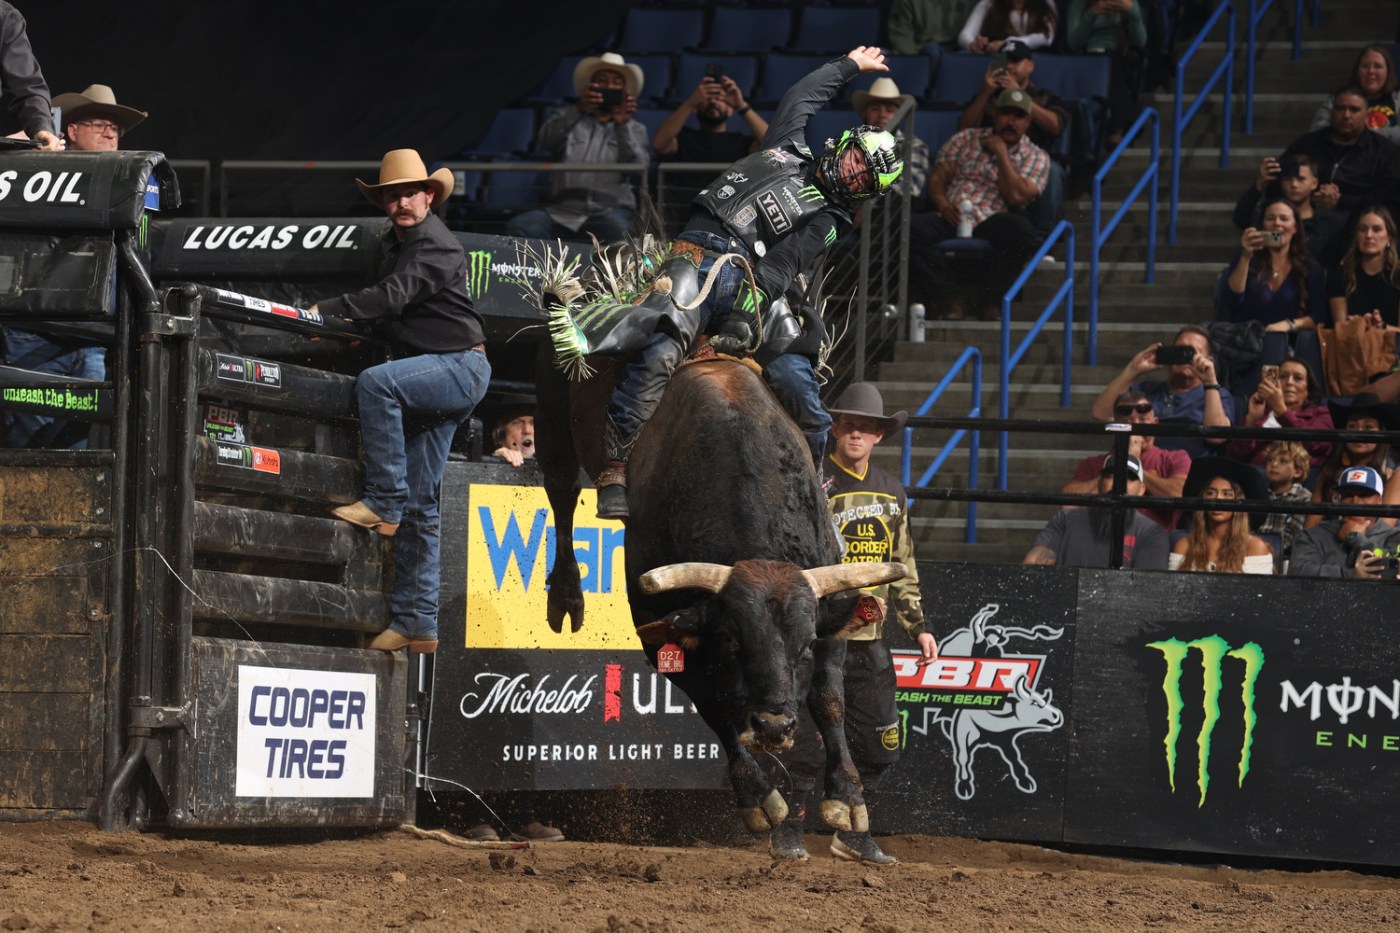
(1213, 650)
(478, 272)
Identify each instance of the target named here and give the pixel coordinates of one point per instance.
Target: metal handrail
(1100, 234)
(974, 449)
(1064, 294)
(1180, 120)
(1256, 13)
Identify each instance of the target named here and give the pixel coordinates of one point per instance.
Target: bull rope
(451, 839)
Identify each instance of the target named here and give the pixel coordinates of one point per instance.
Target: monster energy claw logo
(1213, 650)
(811, 193)
(478, 272)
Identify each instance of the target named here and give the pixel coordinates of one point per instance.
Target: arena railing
(1181, 118)
(1009, 359)
(1100, 232)
(1122, 504)
(1257, 9)
(973, 356)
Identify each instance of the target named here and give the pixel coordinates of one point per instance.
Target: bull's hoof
(556, 619)
(839, 815)
(755, 820)
(776, 807)
(556, 615)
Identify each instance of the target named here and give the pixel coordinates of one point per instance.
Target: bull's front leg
(843, 800)
(760, 805)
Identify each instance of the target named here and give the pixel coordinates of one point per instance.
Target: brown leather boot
(612, 490)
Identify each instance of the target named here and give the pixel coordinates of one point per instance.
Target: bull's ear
(693, 575)
(833, 579)
(846, 614)
(680, 627)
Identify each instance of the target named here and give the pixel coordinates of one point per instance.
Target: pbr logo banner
(1235, 724)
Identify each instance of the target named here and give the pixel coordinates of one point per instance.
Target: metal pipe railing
(1180, 119)
(974, 451)
(1100, 233)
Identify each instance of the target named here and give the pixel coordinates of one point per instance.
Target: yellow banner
(510, 548)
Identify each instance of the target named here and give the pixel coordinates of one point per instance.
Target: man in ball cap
(994, 172)
(93, 121)
(1354, 547)
(870, 512)
(410, 407)
(599, 128)
(1081, 537)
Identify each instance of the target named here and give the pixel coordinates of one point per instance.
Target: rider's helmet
(861, 163)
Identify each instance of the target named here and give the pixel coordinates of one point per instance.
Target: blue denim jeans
(409, 413)
(794, 380)
(645, 376)
(608, 227)
(35, 352)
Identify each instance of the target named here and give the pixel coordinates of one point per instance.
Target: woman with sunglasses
(1218, 541)
(1289, 397)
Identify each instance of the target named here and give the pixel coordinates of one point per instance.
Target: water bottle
(916, 323)
(965, 224)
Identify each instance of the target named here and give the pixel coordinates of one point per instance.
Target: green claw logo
(479, 272)
(1213, 650)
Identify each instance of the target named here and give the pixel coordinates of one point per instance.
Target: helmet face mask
(862, 163)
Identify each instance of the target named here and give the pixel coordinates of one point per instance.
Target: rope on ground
(443, 836)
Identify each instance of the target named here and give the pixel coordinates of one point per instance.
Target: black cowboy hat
(1367, 403)
(863, 400)
(1205, 469)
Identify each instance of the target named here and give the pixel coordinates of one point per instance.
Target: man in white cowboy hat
(410, 407)
(870, 511)
(24, 96)
(877, 106)
(93, 121)
(597, 129)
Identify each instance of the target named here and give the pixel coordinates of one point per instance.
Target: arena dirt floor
(70, 876)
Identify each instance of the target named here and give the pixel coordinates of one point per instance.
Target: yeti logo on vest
(773, 210)
(305, 733)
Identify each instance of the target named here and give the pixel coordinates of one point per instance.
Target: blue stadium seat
(511, 133)
(913, 74)
(781, 71)
(651, 118)
(691, 68)
(935, 127)
(960, 77)
(661, 30)
(1073, 77)
(656, 71)
(512, 191)
(836, 28)
(748, 29)
(559, 85)
(829, 124)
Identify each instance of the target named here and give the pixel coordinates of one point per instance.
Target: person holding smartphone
(598, 128)
(1275, 280)
(1296, 181)
(1289, 397)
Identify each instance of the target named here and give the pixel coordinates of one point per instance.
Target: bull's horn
(838, 577)
(688, 576)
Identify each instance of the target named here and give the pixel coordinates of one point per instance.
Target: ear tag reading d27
(670, 659)
(869, 610)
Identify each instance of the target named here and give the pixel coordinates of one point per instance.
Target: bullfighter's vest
(764, 197)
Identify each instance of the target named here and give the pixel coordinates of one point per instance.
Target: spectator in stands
(1286, 465)
(992, 23)
(1356, 167)
(1080, 537)
(1048, 121)
(1351, 547)
(1289, 397)
(1367, 281)
(1218, 541)
(1115, 28)
(1275, 281)
(1191, 393)
(598, 129)
(514, 433)
(1373, 75)
(715, 100)
(1366, 412)
(410, 407)
(1164, 471)
(994, 171)
(926, 27)
(24, 97)
(877, 107)
(1295, 181)
(93, 121)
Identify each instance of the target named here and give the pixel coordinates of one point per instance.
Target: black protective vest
(764, 196)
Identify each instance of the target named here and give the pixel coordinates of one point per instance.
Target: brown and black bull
(730, 555)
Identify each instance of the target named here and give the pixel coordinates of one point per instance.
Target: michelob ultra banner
(511, 546)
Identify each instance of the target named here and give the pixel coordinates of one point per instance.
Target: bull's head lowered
(756, 633)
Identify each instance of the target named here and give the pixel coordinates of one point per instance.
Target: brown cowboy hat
(1205, 469)
(97, 100)
(863, 400)
(403, 166)
(1367, 403)
(880, 89)
(632, 76)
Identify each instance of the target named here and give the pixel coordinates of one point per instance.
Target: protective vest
(765, 196)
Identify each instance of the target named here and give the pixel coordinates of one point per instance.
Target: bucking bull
(731, 556)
